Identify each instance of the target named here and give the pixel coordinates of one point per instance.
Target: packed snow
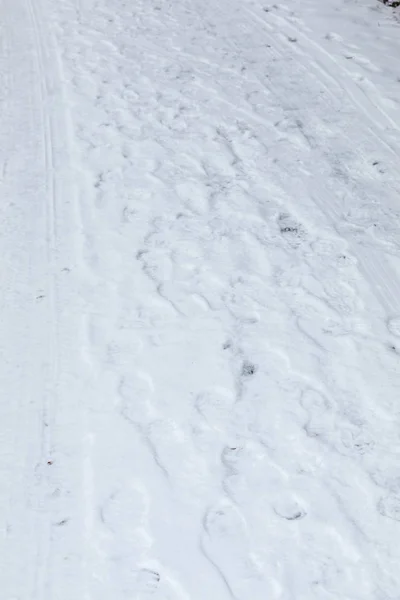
(200, 300)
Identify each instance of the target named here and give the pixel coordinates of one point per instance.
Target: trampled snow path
(200, 284)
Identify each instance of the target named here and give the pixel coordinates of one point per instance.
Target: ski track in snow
(201, 300)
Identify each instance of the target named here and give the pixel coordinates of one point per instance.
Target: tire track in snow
(327, 66)
(43, 533)
(54, 396)
(26, 102)
(383, 280)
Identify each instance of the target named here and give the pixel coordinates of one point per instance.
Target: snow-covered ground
(200, 300)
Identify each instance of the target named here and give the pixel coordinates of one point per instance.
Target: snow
(200, 300)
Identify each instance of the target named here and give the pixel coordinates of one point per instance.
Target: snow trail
(200, 300)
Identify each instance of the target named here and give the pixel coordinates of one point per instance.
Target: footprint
(147, 582)
(157, 584)
(293, 232)
(125, 512)
(250, 475)
(288, 508)
(333, 252)
(242, 464)
(314, 403)
(174, 452)
(320, 421)
(231, 457)
(341, 297)
(135, 398)
(248, 369)
(225, 543)
(224, 521)
(355, 442)
(122, 354)
(332, 36)
(156, 264)
(215, 406)
(194, 196)
(389, 506)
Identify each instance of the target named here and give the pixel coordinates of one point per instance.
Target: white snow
(200, 300)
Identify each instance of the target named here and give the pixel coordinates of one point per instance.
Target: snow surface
(200, 300)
